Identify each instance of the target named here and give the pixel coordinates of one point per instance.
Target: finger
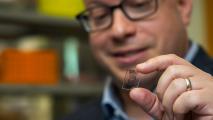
(160, 63)
(171, 73)
(148, 101)
(181, 71)
(188, 101)
(176, 88)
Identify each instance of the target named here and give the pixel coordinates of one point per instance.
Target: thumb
(148, 101)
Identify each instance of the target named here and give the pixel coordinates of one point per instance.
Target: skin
(171, 100)
(164, 41)
(150, 33)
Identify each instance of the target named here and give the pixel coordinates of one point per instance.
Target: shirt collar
(191, 52)
(111, 105)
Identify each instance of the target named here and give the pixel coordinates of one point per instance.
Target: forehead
(109, 2)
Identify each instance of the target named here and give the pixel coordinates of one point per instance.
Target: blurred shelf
(68, 90)
(33, 22)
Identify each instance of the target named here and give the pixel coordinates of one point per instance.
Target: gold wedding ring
(188, 84)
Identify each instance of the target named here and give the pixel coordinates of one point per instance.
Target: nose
(122, 27)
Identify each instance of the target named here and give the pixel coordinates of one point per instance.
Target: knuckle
(172, 69)
(172, 56)
(176, 85)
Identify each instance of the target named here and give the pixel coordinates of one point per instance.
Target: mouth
(130, 57)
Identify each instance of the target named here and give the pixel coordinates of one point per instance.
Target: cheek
(97, 40)
(168, 34)
(98, 44)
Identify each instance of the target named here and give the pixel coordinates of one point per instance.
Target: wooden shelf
(68, 90)
(33, 22)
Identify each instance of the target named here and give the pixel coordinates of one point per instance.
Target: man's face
(127, 43)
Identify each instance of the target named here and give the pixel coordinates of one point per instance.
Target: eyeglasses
(100, 16)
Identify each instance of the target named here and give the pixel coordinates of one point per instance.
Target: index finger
(160, 63)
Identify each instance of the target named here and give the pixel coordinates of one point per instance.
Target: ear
(185, 9)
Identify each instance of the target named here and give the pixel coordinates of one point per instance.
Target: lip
(129, 57)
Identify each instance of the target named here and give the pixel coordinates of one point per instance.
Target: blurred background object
(31, 63)
(64, 8)
(25, 107)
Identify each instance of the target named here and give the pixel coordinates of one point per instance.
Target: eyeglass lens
(100, 16)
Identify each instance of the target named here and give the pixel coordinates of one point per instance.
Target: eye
(138, 5)
(98, 13)
(100, 20)
(99, 16)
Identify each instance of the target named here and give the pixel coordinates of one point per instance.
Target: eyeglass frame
(81, 19)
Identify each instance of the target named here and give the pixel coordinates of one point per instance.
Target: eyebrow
(96, 2)
(92, 3)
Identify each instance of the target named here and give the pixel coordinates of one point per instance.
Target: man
(150, 36)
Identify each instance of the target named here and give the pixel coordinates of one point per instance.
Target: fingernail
(134, 93)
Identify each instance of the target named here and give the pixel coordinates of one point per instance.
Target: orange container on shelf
(34, 68)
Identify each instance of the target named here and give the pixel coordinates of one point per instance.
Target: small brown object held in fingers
(130, 80)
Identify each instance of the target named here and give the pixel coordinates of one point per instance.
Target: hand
(172, 100)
